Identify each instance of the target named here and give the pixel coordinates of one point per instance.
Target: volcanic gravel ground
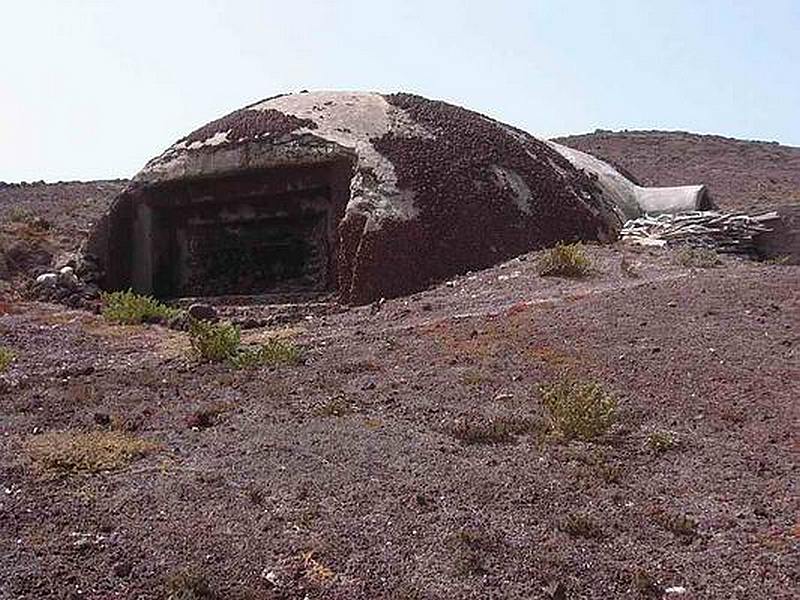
(38, 222)
(343, 477)
(69, 207)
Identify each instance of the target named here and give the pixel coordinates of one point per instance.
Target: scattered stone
(47, 279)
(155, 320)
(76, 371)
(678, 589)
(123, 569)
(203, 312)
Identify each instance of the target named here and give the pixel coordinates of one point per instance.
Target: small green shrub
(274, 351)
(130, 308)
(470, 547)
(6, 358)
(337, 405)
(280, 351)
(565, 260)
(578, 409)
(681, 525)
(779, 260)
(214, 342)
(245, 357)
(661, 441)
(699, 258)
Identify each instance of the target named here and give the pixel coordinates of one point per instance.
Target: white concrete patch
(618, 188)
(218, 138)
(352, 119)
(507, 178)
(633, 200)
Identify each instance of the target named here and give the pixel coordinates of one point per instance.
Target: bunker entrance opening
(272, 232)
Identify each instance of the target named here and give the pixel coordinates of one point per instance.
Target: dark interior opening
(271, 232)
(252, 256)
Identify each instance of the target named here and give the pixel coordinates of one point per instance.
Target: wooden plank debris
(723, 232)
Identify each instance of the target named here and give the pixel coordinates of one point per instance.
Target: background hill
(741, 175)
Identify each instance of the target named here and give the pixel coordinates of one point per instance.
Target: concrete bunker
(366, 194)
(266, 231)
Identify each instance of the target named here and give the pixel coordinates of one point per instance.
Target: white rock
(49, 279)
(678, 589)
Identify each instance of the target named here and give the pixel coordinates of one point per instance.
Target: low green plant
(6, 358)
(470, 547)
(565, 260)
(337, 405)
(681, 525)
(698, 258)
(222, 342)
(245, 357)
(129, 308)
(576, 409)
(214, 342)
(779, 260)
(661, 441)
(274, 351)
(280, 351)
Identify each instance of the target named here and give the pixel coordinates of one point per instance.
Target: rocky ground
(41, 223)
(410, 454)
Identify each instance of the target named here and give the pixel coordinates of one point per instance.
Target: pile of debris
(75, 283)
(723, 232)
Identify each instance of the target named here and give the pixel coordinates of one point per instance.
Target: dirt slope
(410, 456)
(350, 476)
(741, 175)
(69, 206)
(40, 221)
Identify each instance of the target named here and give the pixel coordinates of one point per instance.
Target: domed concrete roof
(435, 189)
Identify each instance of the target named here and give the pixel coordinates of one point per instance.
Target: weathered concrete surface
(634, 200)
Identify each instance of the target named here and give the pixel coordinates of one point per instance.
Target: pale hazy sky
(93, 89)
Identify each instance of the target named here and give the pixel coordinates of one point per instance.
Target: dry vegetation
(662, 441)
(189, 585)
(581, 525)
(577, 409)
(565, 260)
(697, 258)
(93, 451)
(7, 357)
